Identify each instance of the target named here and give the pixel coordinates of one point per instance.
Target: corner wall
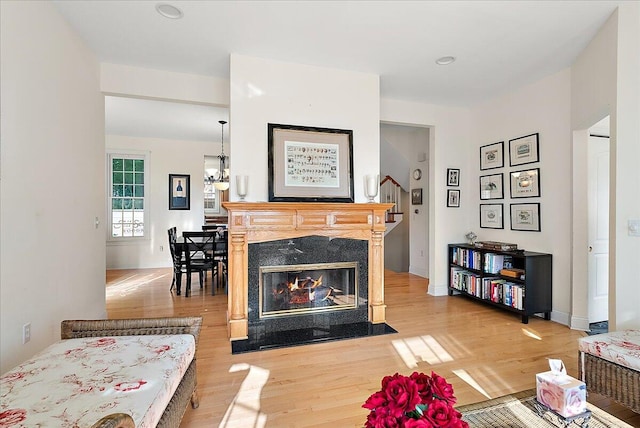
(52, 186)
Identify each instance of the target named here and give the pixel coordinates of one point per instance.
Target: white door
(598, 188)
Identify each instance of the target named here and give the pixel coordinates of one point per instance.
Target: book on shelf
(496, 246)
(512, 272)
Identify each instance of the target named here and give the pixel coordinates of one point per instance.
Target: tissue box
(561, 393)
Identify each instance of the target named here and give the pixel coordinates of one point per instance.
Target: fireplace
(304, 272)
(307, 289)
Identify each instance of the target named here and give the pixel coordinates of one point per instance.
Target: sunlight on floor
(465, 376)
(420, 348)
(130, 284)
(530, 333)
(244, 410)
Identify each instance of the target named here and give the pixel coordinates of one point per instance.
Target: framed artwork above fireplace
(309, 164)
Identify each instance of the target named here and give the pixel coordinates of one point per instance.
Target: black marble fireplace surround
(307, 327)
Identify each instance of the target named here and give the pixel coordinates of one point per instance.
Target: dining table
(216, 248)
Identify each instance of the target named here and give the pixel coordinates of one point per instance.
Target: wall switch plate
(634, 227)
(26, 333)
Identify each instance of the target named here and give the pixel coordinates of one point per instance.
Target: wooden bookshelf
(526, 289)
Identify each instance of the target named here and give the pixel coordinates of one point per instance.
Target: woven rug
(518, 411)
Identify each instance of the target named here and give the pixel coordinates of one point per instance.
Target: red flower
(440, 413)
(402, 394)
(424, 386)
(417, 423)
(381, 418)
(416, 401)
(12, 416)
(378, 399)
(162, 348)
(442, 389)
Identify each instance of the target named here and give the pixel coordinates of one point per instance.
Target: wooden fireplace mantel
(251, 222)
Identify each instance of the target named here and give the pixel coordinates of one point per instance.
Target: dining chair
(198, 250)
(177, 260)
(220, 258)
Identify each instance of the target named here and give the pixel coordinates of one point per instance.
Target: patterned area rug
(518, 411)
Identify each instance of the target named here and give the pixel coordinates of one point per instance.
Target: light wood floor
(482, 351)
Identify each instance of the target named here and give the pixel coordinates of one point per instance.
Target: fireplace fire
(303, 289)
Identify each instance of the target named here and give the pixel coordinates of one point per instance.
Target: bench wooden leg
(195, 401)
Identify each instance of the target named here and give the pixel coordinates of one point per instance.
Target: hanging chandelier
(221, 178)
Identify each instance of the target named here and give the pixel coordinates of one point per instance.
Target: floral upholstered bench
(107, 373)
(609, 364)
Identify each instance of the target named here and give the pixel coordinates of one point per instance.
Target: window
(127, 195)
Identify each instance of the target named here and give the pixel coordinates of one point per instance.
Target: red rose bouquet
(417, 401)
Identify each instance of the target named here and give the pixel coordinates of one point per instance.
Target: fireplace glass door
(288, 290)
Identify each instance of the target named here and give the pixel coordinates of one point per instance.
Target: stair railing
(391, 192)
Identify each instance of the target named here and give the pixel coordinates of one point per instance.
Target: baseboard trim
(579, 323)
(437, 290)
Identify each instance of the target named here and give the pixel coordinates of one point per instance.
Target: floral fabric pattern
(75, 382)
(620, 347)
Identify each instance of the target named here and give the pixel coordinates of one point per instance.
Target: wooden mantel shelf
(251, 222)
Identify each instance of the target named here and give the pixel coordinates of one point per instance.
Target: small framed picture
(524, 150)
(491, 216)
(179, 192)
(492, 156)
(416, 196)
(453, 177)
(453, 198)
(492, 186)
(525, 217)
(525, 183)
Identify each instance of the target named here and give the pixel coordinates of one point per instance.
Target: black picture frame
(453, 198)
(416, 196)
(524, 150)
(492, 216)
(525, 183)
(453, 177)
(310, 164)
(526, 217)
(492, 186)
(492, 156)
(179, 192)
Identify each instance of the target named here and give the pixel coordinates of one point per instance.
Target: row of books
(467, 258)
(490, 263)
(489, 288)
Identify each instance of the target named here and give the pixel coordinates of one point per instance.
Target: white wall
(265, 91)
(165, 157)
(606, 80)
(449, 136)
(542, 107)
(52, 186)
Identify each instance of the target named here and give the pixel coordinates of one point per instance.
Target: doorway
(598, 178)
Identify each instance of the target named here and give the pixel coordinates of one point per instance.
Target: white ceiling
(499, 45)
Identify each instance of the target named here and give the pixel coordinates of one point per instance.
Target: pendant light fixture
(221, 180)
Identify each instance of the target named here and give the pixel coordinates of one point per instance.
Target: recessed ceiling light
(445, 60)
(168, 11)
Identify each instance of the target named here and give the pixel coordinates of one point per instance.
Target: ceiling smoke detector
(445, 60)
(169, 11)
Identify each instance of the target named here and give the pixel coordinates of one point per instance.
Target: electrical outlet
(26, 333)
(161, 248)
